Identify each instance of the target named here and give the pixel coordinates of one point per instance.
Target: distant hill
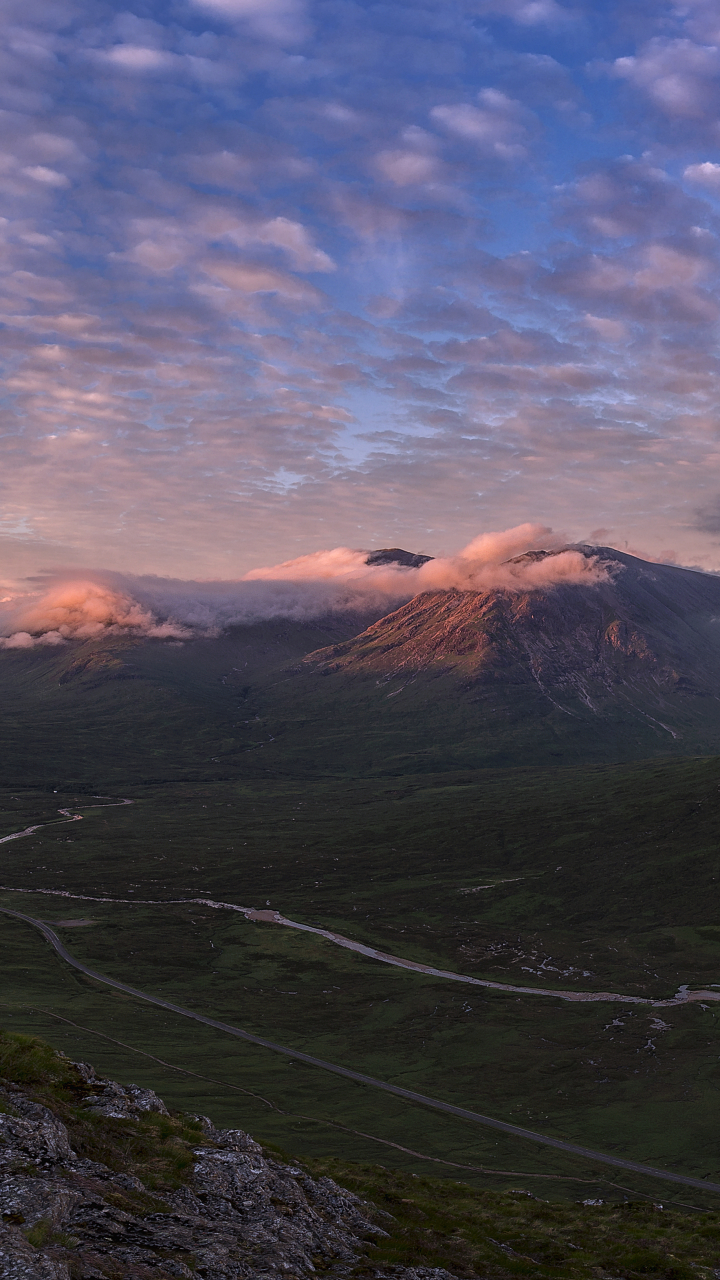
(621, 669)
(396, 555)
(615, 670)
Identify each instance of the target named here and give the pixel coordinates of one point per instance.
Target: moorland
(484, 821)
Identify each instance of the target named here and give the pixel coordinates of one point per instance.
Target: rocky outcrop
(240, 1215)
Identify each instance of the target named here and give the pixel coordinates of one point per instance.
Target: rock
(19, 1261)
(31, 1132)
(118, 1103)
(240, 1216)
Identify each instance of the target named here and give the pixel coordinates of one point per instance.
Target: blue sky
(281, 275)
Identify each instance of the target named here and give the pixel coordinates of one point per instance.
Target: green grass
(467, 1230)
(491, 1234)
(598, 876)
(153, 1147)
(607, 870)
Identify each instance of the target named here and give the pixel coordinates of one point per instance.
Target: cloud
(280, 20)
(705, 175)
(679, 77)
(51, 177)
(80, 611)
(659, 282)
(252, 278)
(26, 640)
(406, 168)
(485, 563)
(133, 57)
(500, 126)
(161, 244)
(708, 517)
(291, 236)
(311, 586)
(529, 13)
(626, 199)
(610, 330)
(180, 396)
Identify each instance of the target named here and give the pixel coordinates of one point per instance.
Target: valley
(400, 868)
(468, 849)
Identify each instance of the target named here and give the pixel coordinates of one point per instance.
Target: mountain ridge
(588, 629)
(624, 666)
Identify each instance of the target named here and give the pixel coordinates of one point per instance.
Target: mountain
(396, 555)
(617, 669)
(116, 710)
(649, 630)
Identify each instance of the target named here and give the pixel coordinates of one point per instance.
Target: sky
(286, 275)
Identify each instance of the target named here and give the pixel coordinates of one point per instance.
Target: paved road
(571, 1147)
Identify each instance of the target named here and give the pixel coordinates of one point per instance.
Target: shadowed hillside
(619, 669)
(623, 666)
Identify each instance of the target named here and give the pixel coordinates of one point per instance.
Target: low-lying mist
(57, 607)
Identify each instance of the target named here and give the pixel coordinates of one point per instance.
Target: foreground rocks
(240, 1215)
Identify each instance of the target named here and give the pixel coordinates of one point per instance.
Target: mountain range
(390, 778)
(625, 665)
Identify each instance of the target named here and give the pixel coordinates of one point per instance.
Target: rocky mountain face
(648, 624)
(620, 667)
(239, 1216)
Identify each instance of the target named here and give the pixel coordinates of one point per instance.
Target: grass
(593, 876)
(600, 878)
(155, 1148)
(495, 1235)
(469, 1231)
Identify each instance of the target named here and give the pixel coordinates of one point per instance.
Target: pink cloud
(309, 586)
(679, 76)
(499, 125)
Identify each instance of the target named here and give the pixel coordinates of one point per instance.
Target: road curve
(683, 995)
(409, 1094)
(69, 817)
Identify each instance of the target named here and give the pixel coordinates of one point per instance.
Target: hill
(624, 666)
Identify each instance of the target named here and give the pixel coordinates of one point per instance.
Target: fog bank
(57, 608)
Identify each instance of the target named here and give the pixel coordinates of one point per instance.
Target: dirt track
(435, 1103)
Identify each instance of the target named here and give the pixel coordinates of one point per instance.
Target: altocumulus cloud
(277, 276)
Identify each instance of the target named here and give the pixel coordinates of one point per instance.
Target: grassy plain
(470, 1230)
(600, 877)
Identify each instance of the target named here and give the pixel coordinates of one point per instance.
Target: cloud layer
(277, 275)
(301, 589)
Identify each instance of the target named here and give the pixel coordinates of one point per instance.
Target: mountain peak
(635, 661)
(396, 555)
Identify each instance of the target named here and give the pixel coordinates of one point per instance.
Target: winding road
(682, 996)
(69, 817)
(409, 1094)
